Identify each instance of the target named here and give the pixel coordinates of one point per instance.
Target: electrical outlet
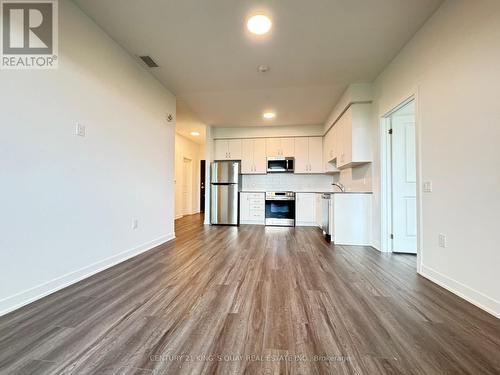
(80, 130)
(135, 224)
(442, 240)
(428, 186)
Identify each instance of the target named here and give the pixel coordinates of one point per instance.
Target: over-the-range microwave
(280, 164)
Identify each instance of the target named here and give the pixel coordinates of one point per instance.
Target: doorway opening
(187, 187)
(401, 209)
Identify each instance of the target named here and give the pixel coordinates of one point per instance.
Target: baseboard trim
(478, 299)
(28, 296)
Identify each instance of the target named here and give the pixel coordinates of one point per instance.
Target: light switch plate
(428, 186)
(80, 130)
(442, 240)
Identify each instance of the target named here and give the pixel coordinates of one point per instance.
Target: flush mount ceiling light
(269, 115)
(195, 134)
(259, 24)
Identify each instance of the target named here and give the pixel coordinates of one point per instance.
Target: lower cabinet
(305, 210)
(252, 208)
(350, 219)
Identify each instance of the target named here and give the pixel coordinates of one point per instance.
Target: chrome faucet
(340, 186)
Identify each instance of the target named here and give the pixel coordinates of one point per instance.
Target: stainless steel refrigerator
(225, 183)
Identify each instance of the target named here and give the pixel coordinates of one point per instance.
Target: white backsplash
(356, 179)
(287, 182)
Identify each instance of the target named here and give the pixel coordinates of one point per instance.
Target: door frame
(386, 176)
(203, 181)
(189, 185)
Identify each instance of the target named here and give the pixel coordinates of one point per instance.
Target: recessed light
(269, 115)
(259, 24)
(195, 134)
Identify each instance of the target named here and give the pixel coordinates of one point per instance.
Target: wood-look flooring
(252, 300)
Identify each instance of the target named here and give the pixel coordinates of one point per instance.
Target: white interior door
(404, 178)
(187, 196)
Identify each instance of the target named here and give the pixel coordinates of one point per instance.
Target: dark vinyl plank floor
(252, 300)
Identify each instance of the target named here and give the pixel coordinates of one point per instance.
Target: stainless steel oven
(280, 164)
(280, 209)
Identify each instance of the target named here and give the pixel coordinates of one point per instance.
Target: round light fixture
(269, 115)
(259, 24)
(195, 134)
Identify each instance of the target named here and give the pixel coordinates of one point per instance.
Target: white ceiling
(315, 49)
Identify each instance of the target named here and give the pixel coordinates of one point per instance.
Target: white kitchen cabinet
(234, 148)
(247, 154)
(305, 209)
(301, 155)
(280, 147)
(220, 149)
(309, 155)
(353, 137)
(227, 149)
(253, 156)
(351, 218)
(315, 155)
(330, 151)
(252, 208)
(259, 159)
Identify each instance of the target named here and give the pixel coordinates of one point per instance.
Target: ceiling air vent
(149, 61)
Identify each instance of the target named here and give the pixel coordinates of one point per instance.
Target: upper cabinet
(280, 147)
(330, 151)
(354, 139)
(347, 144)
(227, 149)
(253, 156)
(309, 155)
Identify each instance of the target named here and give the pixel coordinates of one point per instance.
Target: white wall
(453, 63)
(357, 179)
(187, 149)
(355, 93)
(67, 202)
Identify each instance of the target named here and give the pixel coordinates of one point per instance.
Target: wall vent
(149, 61)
